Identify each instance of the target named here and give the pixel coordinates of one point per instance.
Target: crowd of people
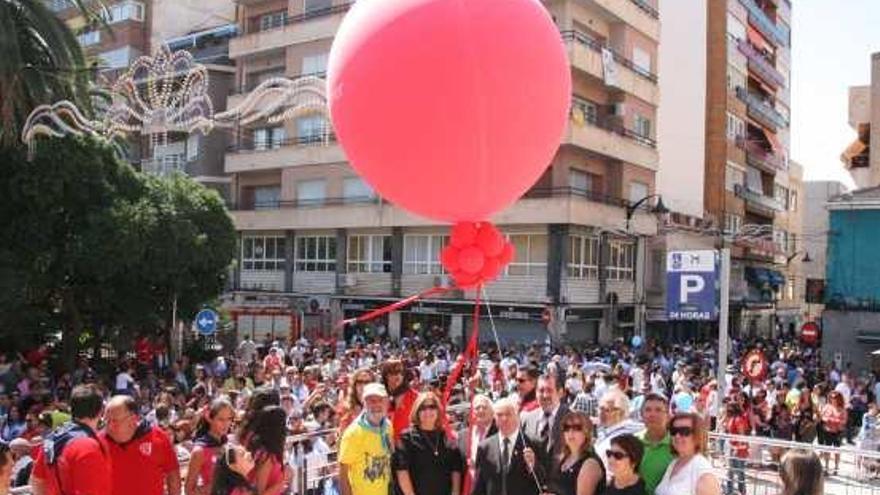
(539, 419)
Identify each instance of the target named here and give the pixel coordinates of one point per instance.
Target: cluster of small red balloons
(476, 254)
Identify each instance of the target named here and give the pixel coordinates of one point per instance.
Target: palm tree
(40, 62)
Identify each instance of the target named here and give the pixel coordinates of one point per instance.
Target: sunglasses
(683, 431)
(573, 427)
(616, 454)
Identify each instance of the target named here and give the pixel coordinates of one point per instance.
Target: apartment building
(860, 161)
(748, 189)
(317, 244)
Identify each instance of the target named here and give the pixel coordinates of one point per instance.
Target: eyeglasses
(616, 454)
(683, 431)
(573, 427)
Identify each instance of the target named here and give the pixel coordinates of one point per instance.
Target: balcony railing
(593, 119)
(598, 46)
(307, 16)
(646, 8)
(761, 109)
(304, 203)
(574, 192)
(759, 19)
(766, 202)
(761, 65)
(307, 140)
(760, 157)
(250, 85)
(165, 165)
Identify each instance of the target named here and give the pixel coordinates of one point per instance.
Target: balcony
(311, 26)
(540, 206)
(761, 66)
(761, 110)
(759, 19)
(757, 202)
(758, 157)
(587, 131)
(639, 14)
(164, 166)
(295, 152)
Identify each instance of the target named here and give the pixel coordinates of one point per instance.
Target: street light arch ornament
(469, 122)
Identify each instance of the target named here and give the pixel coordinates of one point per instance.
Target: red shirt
(400, 415)
(141, 465)
(144, 350)
(83, 468)
(739, 425)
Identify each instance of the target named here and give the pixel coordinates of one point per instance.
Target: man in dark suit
(543, 426)
(507, 462)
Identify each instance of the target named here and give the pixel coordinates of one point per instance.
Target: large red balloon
(451, 109)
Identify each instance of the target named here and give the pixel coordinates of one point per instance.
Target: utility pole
(723, 341)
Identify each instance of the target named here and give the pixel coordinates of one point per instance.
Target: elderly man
(507, 463)
(470, 438)
(144, 462)
(542, 426)
(613, 421)
(366, 447)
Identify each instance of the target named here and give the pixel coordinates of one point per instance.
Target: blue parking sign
(692, 285)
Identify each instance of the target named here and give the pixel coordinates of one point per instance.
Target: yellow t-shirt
(368, 462)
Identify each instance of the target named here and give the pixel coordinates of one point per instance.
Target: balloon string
(393, 306)
(472, 354)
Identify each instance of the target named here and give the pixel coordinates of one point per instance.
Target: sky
(832, 42)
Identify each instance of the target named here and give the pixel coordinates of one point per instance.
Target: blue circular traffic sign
(206, 322)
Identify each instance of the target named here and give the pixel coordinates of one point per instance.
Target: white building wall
(681, 116)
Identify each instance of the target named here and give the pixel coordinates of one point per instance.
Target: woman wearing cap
(425, 461)
(690, 473)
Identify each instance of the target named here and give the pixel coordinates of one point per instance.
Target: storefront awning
(757, 275)
(756, 39)
(774, 142)
(777, 279)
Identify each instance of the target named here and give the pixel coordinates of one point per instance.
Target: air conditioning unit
(618, 109)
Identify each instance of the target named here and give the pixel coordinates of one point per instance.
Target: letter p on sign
(690, 284)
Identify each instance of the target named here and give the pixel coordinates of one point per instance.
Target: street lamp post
(658, 209)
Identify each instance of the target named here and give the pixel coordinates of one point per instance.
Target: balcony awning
(757, 39)
(756, 275)
(855, 149)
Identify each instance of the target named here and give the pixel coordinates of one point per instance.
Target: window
(117, 59)
(789, 289)
(637, 191)
(583, 257)
(355, 189)
(316, 6)
(89, 38)
(311, 192)
(316, 253)
(267, 197)
(124, 11)
(621, 260)
(311, 129)
(642, 60)
(754, 181)
(421, 254)
(642, 126)
(531, 255)
(792, 200)
(587, 109)
(369, 254)
(262, 253)
(314, 64)
(736, 128)
(273, 20)
(192, 147)
(781, 195)
(732, 223)
(734, 176)
(580, 181)
(735, 79)
(735, 28)
(269, 138)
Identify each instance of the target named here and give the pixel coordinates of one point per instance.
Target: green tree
(87, 243)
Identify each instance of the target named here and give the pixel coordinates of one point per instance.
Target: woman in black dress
(624, 456)
(578, 470)
(425, 461)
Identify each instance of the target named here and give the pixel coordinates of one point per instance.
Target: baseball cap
(375, 390)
